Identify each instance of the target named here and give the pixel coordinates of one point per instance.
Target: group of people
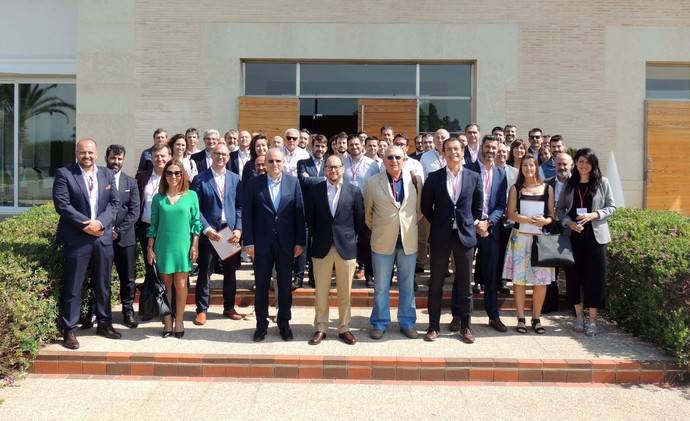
(358, 205)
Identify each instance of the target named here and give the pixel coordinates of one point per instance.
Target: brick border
(359, 368)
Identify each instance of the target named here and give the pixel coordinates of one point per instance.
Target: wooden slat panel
(401, 114)
(668, 154)
(270, 116)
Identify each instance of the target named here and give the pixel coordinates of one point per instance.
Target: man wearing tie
(335, 214)
(451, 201)
(220, 204)
(124, 240)
(274, 234)
(87, 203)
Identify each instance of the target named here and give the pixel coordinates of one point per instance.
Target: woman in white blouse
(178, 147)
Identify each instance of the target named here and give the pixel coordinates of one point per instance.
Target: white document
(531, 208)
(223, 248)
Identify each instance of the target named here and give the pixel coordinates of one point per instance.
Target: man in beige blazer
(391, 203)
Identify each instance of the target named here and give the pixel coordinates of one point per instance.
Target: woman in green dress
(173, 238)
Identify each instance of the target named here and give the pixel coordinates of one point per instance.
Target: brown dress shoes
(200, 319)
(232, 314)
(431, 335)
(454, 325)
(466, 335)
(71, 341)
(347, 337)
(317, 338)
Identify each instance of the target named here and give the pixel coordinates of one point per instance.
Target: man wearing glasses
(391, 212)
(535, 140)
(335, 214)
(274, 234)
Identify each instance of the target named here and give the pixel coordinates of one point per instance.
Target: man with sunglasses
(536, 137)
(391, 212)
(274, 234)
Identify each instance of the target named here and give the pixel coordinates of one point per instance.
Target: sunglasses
(394, 158)
(291, 137)
(274, 161)
(173, 173)
(535, 137)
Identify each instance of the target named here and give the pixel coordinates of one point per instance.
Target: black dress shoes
(505, 290)
(70, 340)
(107, 331)
(477, 289)
(454, 324)
(87, 321)
(259, 335)
(498, 325)
(129, 319)
(368, 281)
(297, 283)
(286, 333)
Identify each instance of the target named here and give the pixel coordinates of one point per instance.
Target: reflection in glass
(269, 79)
(6, 144)
(357, 79)
(47, 131)
(445, 79)
(449, 114)
(328, 116)
(668, 82)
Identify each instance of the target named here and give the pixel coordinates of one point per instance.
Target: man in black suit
(87, 203)
(242, 155)
(274, 234)
(451, 202)
(335, 214)
(124, 240)
(204, 159)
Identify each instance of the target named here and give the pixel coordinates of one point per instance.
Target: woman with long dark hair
(178, 147)
(583, 208)
(518, 150)
(257, 147)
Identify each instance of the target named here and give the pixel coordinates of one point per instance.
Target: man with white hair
(204, 159)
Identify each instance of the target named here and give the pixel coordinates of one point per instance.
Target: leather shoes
(107, 331)
(466, 335)
(504, 289)
(232, 314)
(200, 319)
(286, 334)
(431, 335)
(418, 269)
(87, 321)
(369, 282)
(129, 319)
(376, 334)
(498, 325)
(317, 338)
(70, 340)
(347, 337)
(297, 283)
(454, 325)
(476, 289)
(410, 333)
(259, 335)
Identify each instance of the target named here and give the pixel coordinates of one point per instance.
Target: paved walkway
(107, 399)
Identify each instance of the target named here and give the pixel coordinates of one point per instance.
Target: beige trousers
(344, 271)
(423, 228)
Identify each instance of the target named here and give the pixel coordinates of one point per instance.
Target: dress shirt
(219, 178)
(274, 190)
(317, 164)
(453, 185)
(243, 157)
(487, 181)
(116, 176)
(92, 180)
(356, 170)
(333, 193)
(431, 161)
(209, 159)
(290, 160)
(150, 190)
(474, 153)
(189, 167)
(559, 189)
(548, 169)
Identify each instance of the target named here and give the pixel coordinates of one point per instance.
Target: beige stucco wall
(575, 68)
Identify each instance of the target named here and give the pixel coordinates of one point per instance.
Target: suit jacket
(308, 175)
(499, 187)
(128, 213)
(248, 172)
(439, 209)
(386, 220)
(142, 178)
(71, 200)
(145, 160)
(339, 230)
(263, 224)
(210, 205)
(602, 203)
(200, 159)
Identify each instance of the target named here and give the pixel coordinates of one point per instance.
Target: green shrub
(649, 277)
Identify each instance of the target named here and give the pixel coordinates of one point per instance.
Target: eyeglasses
(291, 137)
(220, 154)
(173, 173)
(333, 167)
(394, 158)
(274, 161)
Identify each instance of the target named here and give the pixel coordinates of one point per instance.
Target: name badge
(581, 211)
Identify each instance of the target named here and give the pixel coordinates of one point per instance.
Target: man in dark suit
(124, 240)
(87, 203)
(274, 234)
(335, 214)
(220, 203)
(451, 202)
(242, 155)
(494, 185)
(160, 136)
(204, 159)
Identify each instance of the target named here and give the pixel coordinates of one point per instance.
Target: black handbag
(153, 300)
(551, 250)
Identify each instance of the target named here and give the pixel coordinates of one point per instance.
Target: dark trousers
(504, 237)
(125, 265)
(488, 265)
(364, 251)
(586, 285)
(263, 266)
(77, 261)
(140, 231)
(207, 261)
(461, 301)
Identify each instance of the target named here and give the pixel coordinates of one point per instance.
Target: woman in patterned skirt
(528, 188)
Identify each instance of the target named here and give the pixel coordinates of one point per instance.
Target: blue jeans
(383, 269)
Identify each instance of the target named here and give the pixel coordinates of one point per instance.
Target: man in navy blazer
(451, 201)
(124, 239)
(220, 204)
(87, 203)
(335, 214)
(494, 185)
(274, 233)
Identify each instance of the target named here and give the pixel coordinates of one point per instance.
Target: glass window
(269, 79)
(7, 145)
(47, 131)
(668, 81)
(358, 79)
(328, 116)
(445, 80)
(449, 114)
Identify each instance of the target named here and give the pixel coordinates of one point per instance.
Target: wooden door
(401, 114)
(270, 116)
(667, 183)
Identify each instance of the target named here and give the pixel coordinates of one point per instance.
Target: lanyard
(354, 168)
(582, 195)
